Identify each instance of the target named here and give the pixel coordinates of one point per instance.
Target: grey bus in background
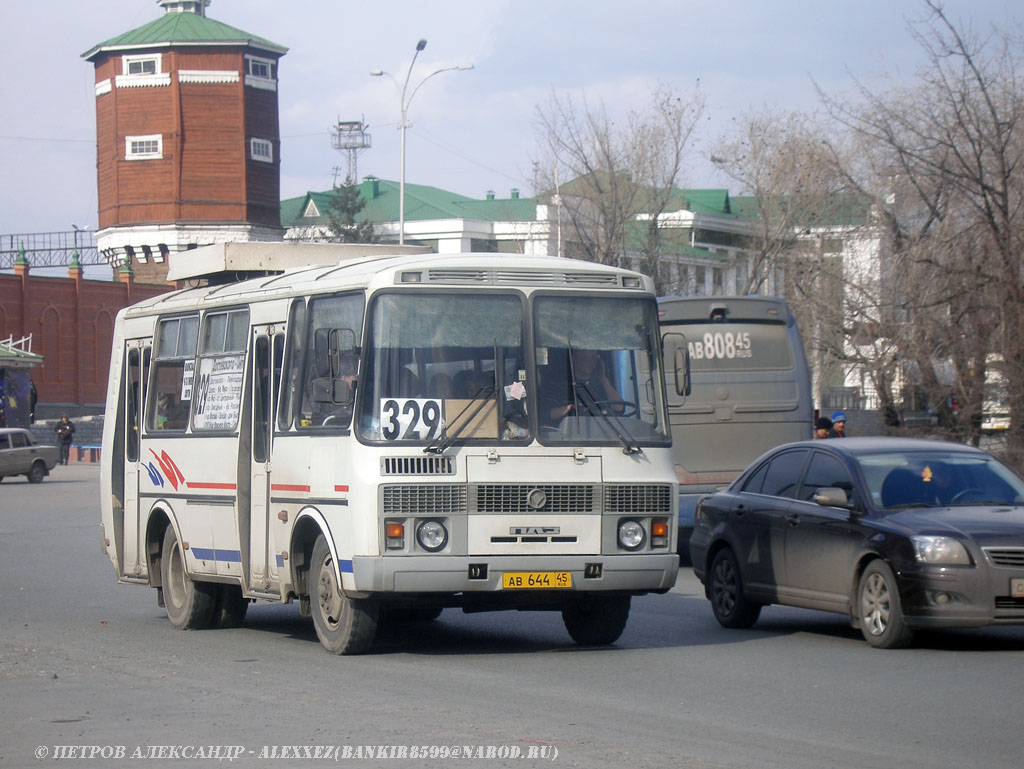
(737, 385)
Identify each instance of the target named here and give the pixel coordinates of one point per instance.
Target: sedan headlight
(945, 551)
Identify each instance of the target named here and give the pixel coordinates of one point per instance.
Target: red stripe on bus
(227, 486)
(341, 488)
(288, 487)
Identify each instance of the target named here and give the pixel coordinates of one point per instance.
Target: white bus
(748, 389)
(377, 439)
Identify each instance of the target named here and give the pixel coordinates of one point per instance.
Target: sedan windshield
(899, 480)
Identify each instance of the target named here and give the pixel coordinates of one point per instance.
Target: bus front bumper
(635, 573)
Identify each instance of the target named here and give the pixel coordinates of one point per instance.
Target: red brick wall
(72, 326)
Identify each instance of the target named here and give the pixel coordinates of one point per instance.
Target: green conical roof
(181, 29)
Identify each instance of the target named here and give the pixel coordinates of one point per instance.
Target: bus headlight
(432, 536)
(631, 534)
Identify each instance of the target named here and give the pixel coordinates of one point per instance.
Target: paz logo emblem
(536, 499)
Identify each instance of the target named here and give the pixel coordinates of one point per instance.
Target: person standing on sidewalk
(65, 430)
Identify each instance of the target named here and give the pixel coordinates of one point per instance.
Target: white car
(21, 455)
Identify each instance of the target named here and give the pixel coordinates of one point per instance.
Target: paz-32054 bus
(391, 436)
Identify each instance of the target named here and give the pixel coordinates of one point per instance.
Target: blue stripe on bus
(210, 554)
(235, 556)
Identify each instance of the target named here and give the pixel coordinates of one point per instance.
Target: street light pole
(403, 105)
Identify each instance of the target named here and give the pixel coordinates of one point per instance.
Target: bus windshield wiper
(629, 444)
(479, 399)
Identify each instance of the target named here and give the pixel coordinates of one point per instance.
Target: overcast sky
(472, 131)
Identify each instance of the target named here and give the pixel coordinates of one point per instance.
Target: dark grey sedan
(897, 534)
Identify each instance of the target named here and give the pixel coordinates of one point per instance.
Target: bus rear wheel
(190, 605)
(594, 620)
(343, 625)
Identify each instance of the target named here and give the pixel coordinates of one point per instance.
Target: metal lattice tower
(351, 138)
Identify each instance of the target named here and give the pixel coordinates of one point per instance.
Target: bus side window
(260, 399)
(173, 374)
(132, 399)
(329, 372)
(291, 387)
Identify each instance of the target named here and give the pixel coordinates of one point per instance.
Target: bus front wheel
(344, 625)
(594, 620)
(190, 605)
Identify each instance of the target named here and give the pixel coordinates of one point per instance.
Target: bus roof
(483, 270)
(697, 309)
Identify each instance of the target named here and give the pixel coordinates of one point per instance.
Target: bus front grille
(533, 498)
(433, 499)
(417, 466)
(638, 498)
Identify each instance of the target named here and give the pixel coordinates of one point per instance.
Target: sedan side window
(783, 474)
(825, 471)
(756, 480)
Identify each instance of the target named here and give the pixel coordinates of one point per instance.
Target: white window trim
(269, 157)
(129, 155)
(104, 86)
(127, 59)
(207, 76)
(255, 81)
(158, 78)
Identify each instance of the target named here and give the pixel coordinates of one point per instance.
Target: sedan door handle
(740, 511)
(793, 519)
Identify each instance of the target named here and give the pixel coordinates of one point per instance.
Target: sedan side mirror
(832, 497)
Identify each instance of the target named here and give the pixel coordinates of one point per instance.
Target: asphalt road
(87, 662)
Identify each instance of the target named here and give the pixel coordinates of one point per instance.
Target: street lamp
(404, 108)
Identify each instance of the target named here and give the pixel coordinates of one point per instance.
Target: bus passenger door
(266, 370)
(136, 370)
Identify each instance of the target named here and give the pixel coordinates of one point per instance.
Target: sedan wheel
(880, 610)
(37, 473)
(725, 589)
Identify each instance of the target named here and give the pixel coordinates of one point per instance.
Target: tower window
(144, 147)
(148, 64)
(261, 73)
(261, 149)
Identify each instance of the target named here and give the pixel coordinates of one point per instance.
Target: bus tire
(231, 607)
(594, 620)
(343, 625)
(190, 605)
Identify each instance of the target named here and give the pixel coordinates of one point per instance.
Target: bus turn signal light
(394, 534)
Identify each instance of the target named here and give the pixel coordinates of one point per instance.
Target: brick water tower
(187, 138)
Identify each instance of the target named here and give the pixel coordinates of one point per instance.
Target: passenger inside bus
(171, 413)
(582, 388)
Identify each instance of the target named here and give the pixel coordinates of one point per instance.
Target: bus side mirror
(680, 361)
(322, 352)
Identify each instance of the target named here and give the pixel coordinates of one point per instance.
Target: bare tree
(602, 176)
(945, 177)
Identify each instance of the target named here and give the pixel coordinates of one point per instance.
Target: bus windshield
(444, 367)
(599, 370)
(440, 364)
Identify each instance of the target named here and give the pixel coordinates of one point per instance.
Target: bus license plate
(1017, 588)
(551, 580)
